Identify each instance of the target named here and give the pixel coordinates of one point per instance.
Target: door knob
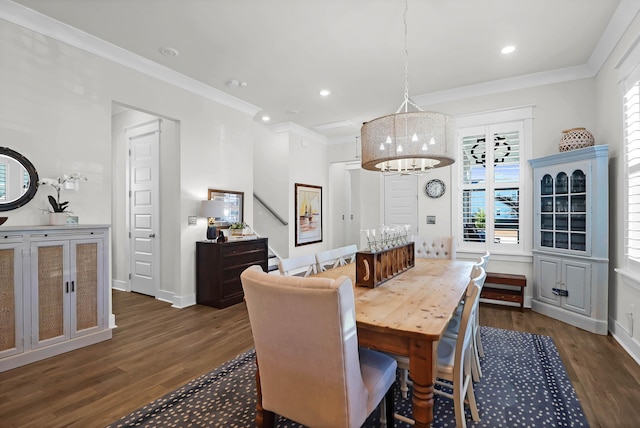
(152, 235)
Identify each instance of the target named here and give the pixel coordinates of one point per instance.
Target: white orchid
(57, 184)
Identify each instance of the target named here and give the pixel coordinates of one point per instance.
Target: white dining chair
(453, 327)
(455, 360)
(327, 259)
(347, 254)
(298, 266)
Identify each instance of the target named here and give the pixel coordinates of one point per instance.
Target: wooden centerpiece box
(375, 267)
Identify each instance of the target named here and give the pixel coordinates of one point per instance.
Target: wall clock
(434, 188)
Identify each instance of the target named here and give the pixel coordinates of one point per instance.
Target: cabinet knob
(152, 235)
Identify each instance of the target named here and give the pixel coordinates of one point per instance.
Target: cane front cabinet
(59, 298)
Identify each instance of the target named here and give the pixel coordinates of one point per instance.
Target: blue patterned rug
(524, 384)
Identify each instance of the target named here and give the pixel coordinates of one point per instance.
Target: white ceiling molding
(623, 16)
(35, 21)
(294, 128)
(504, 85)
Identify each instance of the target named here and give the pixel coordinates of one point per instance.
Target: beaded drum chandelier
(407, 142)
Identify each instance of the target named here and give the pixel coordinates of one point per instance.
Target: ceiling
(288, 50)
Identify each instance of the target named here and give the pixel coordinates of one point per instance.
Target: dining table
(406, 315)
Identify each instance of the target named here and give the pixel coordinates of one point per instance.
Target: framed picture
(308, 215)
(233, 207)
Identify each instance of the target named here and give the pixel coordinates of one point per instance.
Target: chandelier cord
(406, 101)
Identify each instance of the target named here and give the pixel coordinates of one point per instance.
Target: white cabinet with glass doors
(571, 238)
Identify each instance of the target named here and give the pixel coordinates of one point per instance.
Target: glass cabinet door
(563, 210)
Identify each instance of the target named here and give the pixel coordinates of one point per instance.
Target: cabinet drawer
(242, 247)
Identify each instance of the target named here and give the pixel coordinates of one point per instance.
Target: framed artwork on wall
(233, 207)
(308, 214)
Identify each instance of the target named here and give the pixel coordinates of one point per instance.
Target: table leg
(264, 418)
(423, 360)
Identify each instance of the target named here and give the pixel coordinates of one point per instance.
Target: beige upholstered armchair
(440, 247)
(311, 368)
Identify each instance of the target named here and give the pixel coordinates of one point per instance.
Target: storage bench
(515, 294)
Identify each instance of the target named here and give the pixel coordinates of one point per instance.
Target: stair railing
(273, 213)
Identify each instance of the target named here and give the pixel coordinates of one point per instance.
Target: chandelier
(407, 142)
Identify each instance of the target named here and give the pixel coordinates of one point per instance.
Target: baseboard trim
(181, 302)
(627, 342)
(116, 284)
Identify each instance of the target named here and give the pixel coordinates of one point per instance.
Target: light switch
(192, 220)
(431, 219)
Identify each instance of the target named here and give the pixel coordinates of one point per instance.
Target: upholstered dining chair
(298, 266)
(311, 368)
(440, 247)
(455, 359)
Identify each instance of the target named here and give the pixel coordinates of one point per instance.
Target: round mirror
(18, 180)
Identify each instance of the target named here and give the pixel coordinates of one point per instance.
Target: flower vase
(57, 219)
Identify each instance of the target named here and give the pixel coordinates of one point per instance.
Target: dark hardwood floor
(156, 349)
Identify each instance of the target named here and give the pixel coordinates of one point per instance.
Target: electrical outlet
(192, 220)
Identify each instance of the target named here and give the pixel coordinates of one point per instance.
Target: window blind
(632, 173)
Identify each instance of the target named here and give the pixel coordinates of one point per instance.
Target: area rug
(524, 384)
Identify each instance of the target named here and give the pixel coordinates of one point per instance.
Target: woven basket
(575, 138)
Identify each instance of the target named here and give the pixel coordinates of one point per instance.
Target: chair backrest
(484, 259)
(347, 254)
(327, 259)
(441, 247)
(341, 256)
(298, 266)
(471, 300)
(304, 330)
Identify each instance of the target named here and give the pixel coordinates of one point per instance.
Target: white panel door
(401, 201)
(144, 144)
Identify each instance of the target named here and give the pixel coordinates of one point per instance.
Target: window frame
(628, 78)
(520, 118)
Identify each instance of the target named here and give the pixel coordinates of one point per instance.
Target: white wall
(56, 110)
(271, 184)
(308, 165)
(624, 294)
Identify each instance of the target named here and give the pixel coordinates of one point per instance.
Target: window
(493, 195)
(3, 182)
(631, 114)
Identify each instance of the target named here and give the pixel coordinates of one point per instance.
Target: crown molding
(292, 127)
(625, 13)
(505, 85)
(47, 26)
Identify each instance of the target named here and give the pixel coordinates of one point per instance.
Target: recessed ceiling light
(167, 51)
(233, 83)
(266, 118)
(508, 49)
(325, 92)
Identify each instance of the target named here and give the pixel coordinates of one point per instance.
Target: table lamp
(212, 209)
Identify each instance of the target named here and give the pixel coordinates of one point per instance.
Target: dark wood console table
(218, 269)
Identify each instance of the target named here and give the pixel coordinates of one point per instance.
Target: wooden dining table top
(417, 303)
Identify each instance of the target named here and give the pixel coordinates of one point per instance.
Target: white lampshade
(211, 208)
(408, 142)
